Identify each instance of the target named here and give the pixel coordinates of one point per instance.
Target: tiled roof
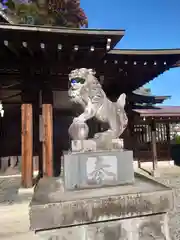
(160, 111)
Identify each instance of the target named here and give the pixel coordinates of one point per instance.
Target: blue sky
(148, 24)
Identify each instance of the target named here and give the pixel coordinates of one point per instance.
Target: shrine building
(35, 63)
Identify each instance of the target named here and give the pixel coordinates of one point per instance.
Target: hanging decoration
(64, 13)
(1, 110)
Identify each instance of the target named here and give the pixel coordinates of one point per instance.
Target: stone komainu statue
(86, 90)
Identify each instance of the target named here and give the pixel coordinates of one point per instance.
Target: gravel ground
(14, 210)
(174, 216)
(170, 176)
(8, 189)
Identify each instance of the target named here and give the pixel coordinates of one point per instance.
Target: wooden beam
(27, 145)
(11, 47)
(26, 47)
(47, 115)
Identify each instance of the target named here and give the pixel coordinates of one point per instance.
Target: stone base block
(98, 169)
(153, 227)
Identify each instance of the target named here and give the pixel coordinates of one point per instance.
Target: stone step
(20, 236)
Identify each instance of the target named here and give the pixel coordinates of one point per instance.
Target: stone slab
(91, 145)
(14, 211)
(22, 236)
(52, 207)
(8, 189)
(154, 227)
(98, 169)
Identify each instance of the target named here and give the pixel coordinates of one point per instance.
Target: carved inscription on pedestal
(101, 169)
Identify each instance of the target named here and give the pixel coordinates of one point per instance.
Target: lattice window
(143, 133)
(161, 132)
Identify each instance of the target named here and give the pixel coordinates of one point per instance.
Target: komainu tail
(121, 100)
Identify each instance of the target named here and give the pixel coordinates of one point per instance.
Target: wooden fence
(143, 142)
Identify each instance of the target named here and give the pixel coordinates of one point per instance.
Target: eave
(161, 111)
(142, 99)
(51, 51)
(57, 49)
(60, 35)
(134, 68)
(154, 52)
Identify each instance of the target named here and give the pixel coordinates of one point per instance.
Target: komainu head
(82, 77)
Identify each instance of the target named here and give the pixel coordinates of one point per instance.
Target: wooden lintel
(27, 145)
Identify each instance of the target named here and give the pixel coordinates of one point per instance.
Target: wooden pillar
(130, 141)
(37, 149)
(30, 94)
(154, 149)
(27, 145)
(168, 140)
(47, 145)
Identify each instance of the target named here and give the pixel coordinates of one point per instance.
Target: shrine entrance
(36, 62)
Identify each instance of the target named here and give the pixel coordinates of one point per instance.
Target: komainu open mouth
(78, 80)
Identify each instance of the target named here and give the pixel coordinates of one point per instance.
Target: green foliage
(27, 13)
(10, 4)
(65, 13)
(177, 139)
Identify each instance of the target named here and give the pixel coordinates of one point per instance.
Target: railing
(12, 164)
(143, 146)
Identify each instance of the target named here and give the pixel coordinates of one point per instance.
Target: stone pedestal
(97, 169)
(99, 198)
(131, 212)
